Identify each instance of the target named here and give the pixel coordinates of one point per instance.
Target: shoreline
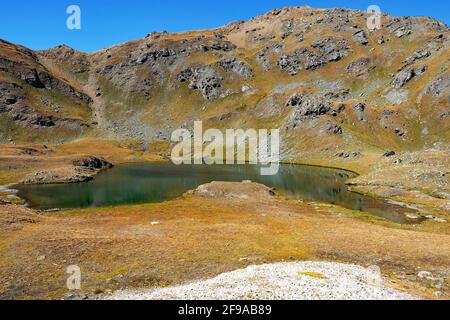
(257, 230)
(420, 218)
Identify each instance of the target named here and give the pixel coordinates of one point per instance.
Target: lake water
(156, 182)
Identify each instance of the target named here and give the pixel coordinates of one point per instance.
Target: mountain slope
(332, 86)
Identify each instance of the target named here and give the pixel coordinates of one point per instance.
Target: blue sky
(42, 24)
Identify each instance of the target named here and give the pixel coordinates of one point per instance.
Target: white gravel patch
(280, 281)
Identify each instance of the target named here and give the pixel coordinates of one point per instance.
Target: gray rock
(360, 37)
(388, 154)
(404, 76)
(106, 69)
(361, 67)
(397, 96)
(313, 62)
(262, 56)
(218, 35)
(20, 112)
(308, 107)
(75, 296)
(237, 66)
(222, 46)
(300, 58)
(400, 132)
(43, 121)
(341, 108)
(424, 274)
(92, 163)
(438, 85)
(349, 155)
(402, 32)
(208, 81)
(416, 56)
(263, 61)
(185, 75)
(334, 128)
(159, 55)
(435, 219)
(287, 29)
(444, 115)
(43, 80)
(332, 49)
(359, 109)
(290, 63)
(10, 99)
(340, 94)
(300, 37)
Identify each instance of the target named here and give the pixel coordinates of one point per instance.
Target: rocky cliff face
(36, 103)
(330, 84)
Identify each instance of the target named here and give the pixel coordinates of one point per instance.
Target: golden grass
(198, 238)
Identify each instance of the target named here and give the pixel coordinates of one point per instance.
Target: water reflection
(144, 183)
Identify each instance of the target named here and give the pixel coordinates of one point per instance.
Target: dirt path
(98, 108)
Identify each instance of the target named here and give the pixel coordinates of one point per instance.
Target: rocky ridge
(349, 77)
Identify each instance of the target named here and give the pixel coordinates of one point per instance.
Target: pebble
(75, 296)
(424, 274)
(280, 281)
(435, 219)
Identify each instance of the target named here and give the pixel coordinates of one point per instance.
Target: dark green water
(157, 182)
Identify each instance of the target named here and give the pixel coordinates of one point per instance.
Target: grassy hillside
(384, 89)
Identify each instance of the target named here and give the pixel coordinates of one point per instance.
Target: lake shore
(198, 237)
(159, 245)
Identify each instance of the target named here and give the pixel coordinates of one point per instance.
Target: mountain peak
(313, 72)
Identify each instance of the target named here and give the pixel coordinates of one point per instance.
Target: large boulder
(359, 109)
(207, 80)
(235, 190)
(438, 85)
(332, 49)
(300, 59)
(419, 54)
(308, 107)
(404, 76)
(237, 66)
(360, 37)
(92, 163)
(361, 67)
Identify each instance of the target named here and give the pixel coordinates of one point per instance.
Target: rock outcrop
(308, 107)
(404, 76)
(361, 67)
(205, 79)
(13, 103)
(92, 163)
(237, 66)
(332, 49)
(438, 85)
(240, 75)
(300, 59)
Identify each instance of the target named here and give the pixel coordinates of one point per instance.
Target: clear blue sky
(42, 24)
